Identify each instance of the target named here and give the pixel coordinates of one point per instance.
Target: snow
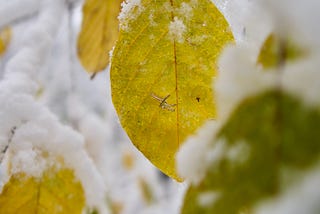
(207, 198)
(14, 10)
(301, 197)
(242, 78)
(250, 23)
(296, 75)
(185, 11)
(192, 157)
(131, 9)
(239, 79)
(37, 132)
(238, 153)
(296, 19)
(50, 110)
(177, 30)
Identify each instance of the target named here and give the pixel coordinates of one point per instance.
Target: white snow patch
(249, 22)
(238, 153)
(297, 19)
(301, 79)
(185, 11)
(131, 9)
(205, 199)
(197, 39)
(240, 78)
(39, 140)
(13, 10)
(192, 161)
(203, 150)
(177, 30)
(216, 152)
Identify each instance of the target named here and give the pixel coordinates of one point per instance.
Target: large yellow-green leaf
(5, 37)
(277, 51)
(162, 71)
(265, 136)
(98, 34)
(55, 192)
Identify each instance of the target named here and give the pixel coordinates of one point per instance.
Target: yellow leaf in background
(5, 37)
(161, 73)
(55, 192)
(276, 52)
(98, 34)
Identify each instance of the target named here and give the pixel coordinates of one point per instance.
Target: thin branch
(3, 152)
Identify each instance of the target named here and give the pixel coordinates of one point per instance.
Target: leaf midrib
(176, 79)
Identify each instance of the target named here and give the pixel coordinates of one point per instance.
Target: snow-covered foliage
(51, 110)
(240, 77)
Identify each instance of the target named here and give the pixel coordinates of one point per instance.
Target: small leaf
(274, 130)
(5, 37)
(55, 192)
(276, 51)
(146, 191)
(98, 34)
(161, 73)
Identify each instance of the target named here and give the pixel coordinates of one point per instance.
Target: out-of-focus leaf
(276, 51)
(116, 207)
(5, 37)
(55, 192)
(264, 135)
(128, 160)
(146, 190)
(161, 73)
(98, 34)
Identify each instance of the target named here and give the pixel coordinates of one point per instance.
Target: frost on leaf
(275, 132)
(131, 9)
(56, 191)
(177, 30)
(160, 81)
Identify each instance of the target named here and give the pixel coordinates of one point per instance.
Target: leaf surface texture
(55, 192)
(276, 132)
(98, 34)
(161, 73)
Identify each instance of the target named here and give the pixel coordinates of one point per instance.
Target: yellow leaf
(98, 33)
(161, 73)
(5, 37)
(55, 192)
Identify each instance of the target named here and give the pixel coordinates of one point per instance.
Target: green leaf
(276, 51)
(99, 33)
(55, 192)
(277, 132)
(161, 73)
